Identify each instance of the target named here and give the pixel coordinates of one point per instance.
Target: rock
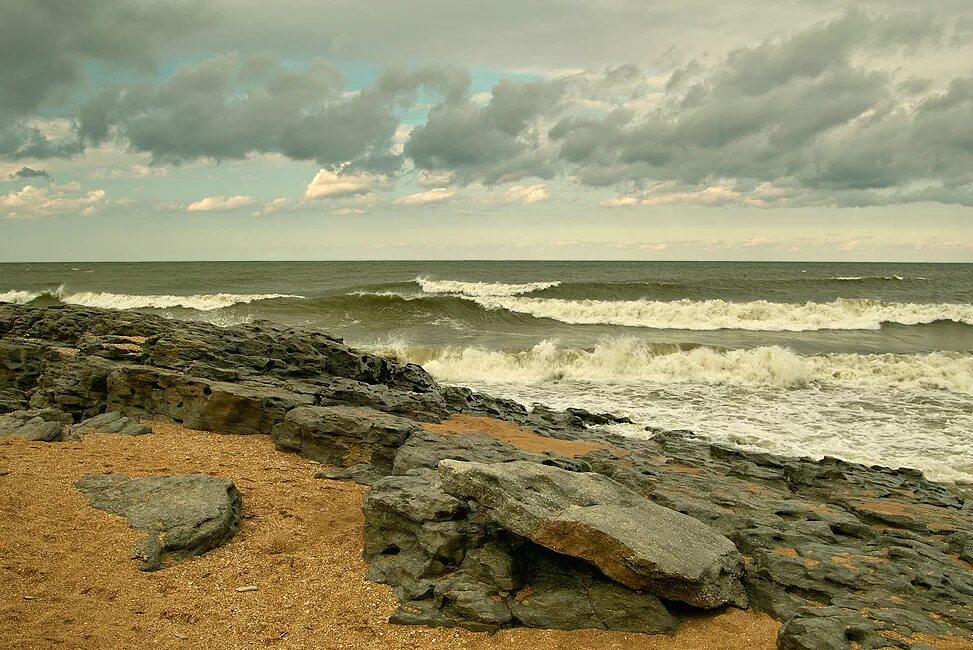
(452, 567)
(183, 515)
(868, 547)
(244, 408)
(588, 516)
(111, 422)
(344, 436)
(424, 449)
(570, 596)
(38, 425)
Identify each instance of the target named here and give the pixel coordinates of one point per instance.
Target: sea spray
(629, 360)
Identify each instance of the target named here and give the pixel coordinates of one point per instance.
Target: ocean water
(868, 362)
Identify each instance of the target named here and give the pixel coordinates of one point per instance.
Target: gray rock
(38, 425)
(111, 422)
(588, 516)
(183, 515)
(223, 407)
(344, 435)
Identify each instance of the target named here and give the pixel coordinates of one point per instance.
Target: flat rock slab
(112, 422)
(344, 435)
(585, 515)
(183, 515)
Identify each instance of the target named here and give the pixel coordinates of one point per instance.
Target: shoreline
(817, 551)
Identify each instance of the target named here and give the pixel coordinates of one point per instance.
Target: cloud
(329, 184)
(426, 178)
(52, 200)
(46, 47)
(26, 172)
(793, 121)
(836, 114)
(229, 107)
(220, 203)
(436, 195)
(527, 193)
(494, 143)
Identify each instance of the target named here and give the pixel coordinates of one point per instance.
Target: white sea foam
(481, 288)
(851, 278)
(19, 297)
(104, 300)
(631, 360)
(841, 314)
(909, 410)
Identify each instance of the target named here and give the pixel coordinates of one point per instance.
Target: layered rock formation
(485, 514)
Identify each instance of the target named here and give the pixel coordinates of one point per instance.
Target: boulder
(183, 515)
(344, 435)
(637, 543)
(111, 422)
(38, 425)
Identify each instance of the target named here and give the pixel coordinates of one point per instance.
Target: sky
(437, 129)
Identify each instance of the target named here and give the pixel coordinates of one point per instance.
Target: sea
(871, 363)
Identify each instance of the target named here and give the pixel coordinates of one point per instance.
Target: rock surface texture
(183, 515)
(591, 517)
(485, 514)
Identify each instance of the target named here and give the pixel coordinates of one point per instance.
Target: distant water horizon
(871, 362)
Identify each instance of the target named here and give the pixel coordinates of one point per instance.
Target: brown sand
(67, 580)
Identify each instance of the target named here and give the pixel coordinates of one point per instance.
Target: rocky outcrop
(519, 516)
(588, 516)
(344, 436)
(183, 515)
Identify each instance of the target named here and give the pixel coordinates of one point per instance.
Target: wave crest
(631, 360)
(761, 315)
(481, 289)
(105, 300)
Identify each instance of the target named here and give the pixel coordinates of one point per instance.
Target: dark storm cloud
(46, 44)
(802, 114)
(225, 108)
(821, 116)
(491, 143)
(25, 173)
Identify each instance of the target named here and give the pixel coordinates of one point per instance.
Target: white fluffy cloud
(437, 195)
(51, 200)
(527, 193)
(218, 203)
(329, 184)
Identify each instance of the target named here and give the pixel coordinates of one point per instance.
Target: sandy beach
(67, 580)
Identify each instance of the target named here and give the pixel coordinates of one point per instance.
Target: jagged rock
(453, 567)
(183, 515)
(38, 425)
(344, 435)
(111, 422)
(199, 403)
(568, 595)
(845, 538)
(588, 516)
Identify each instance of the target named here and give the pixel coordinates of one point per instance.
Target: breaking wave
(631, 360)
(481, 288)
(841, 314)
(104, 300)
